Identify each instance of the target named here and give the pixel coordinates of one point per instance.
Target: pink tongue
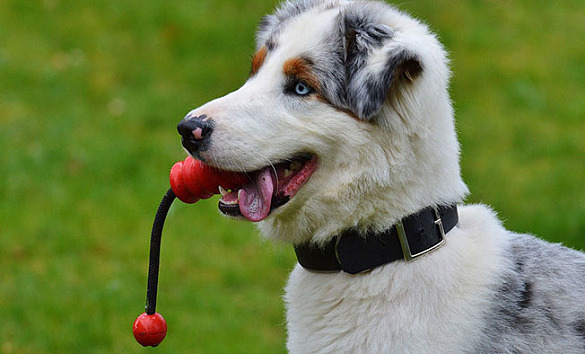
(255, 198)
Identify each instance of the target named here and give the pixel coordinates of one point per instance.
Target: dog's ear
(375, 66)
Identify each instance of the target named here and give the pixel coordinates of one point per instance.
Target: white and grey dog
(345, 127)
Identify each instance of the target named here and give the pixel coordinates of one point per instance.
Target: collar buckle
(403, 238)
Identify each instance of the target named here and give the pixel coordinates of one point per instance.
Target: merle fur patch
(359, 87)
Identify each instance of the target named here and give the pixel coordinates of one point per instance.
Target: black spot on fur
(367, 93)
(527, 294)
(526, 288)
(514, 298)
(410, 70)
(271, 43)
(579, 327)
(519, 266)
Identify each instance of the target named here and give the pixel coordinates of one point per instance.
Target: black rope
(154, 260)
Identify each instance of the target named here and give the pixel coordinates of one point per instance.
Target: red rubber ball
(178, 185)
(150, 330)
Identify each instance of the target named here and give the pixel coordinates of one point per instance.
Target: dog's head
(344, 121)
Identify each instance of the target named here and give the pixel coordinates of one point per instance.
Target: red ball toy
(150, 330)
(191, 180)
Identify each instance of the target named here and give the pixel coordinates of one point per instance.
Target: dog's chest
(339, 313)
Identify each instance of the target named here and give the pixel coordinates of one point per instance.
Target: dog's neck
(354, 252)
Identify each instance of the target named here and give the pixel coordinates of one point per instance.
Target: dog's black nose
(195, 133)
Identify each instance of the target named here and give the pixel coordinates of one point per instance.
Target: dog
(345, 128)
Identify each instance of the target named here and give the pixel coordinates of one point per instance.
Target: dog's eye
(297, 88)
(302, 89)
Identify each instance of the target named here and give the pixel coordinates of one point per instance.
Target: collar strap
(355, 252)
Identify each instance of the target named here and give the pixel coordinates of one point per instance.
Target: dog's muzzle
(196, 133)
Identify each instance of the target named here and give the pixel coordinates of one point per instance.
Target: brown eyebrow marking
(258, 60)
(301, 69)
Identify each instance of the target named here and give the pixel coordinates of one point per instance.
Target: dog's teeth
(287, 172)
(222, 191)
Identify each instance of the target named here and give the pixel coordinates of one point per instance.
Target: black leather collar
(354, 252)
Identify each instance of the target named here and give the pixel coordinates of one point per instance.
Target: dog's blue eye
(302, 89)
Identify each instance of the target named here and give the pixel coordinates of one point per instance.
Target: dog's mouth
(269, 188)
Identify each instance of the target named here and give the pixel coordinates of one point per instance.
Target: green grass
(89, 98)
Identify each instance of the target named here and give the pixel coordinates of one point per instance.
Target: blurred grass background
(90, 94)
